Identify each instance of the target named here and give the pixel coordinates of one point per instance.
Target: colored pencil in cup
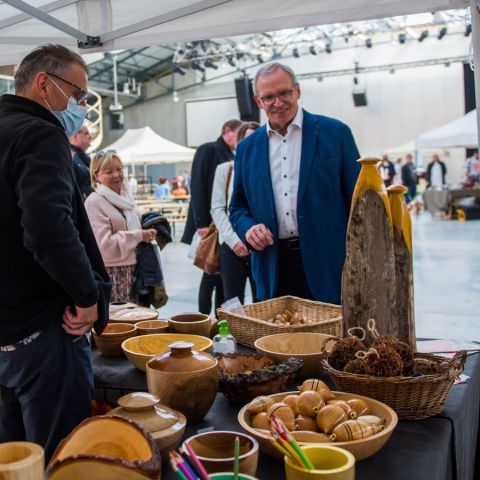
(236, 459)
(196, 462)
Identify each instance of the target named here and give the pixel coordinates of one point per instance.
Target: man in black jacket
(207, 157)
(79, 143)
(53, 284)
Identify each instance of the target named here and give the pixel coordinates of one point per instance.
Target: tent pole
(474, 6)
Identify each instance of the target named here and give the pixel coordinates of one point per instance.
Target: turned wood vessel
(21, 461)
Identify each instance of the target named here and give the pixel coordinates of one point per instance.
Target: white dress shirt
(284, 156)
(436, 177)
(218, 205)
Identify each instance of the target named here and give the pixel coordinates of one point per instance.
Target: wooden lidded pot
(184, 379)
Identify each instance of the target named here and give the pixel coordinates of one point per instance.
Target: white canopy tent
(461, 133)
(142, 146)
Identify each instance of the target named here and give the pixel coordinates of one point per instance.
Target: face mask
(72, 117)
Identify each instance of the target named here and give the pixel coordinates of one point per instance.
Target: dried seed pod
(305, 423)
(259, 404)
(343, 351)
(260, 420)
(284, 413)
(359, 405)
(371, 419)
(349, 410)
(291, 401)
(383, 362)
(354, 430)
(309, 403)
(329, 417)
(313, 384)
(355, 366)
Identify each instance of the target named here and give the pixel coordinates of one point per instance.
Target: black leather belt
(292, 243)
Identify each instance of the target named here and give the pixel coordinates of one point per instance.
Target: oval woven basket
(412, 398)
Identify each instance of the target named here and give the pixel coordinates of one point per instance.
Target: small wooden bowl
(139, 350)
(146, 327)
(110, 341)
(303, 345)
(361, 449)
(133, 314)
(21, 460)
(193, 323)
(215, 451)
(244, 377)
(102, 445)
(115, 306)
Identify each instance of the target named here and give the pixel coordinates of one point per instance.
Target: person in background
(53, 284)
(292, 190)
(409, 178)
(132, 185)
(387, 170)
(79, 143)
(115, 221)
(472, 169)
(163, 190)
(207, 157)
(179, 189)
(397, 178)
(436, 172)
(234, 254)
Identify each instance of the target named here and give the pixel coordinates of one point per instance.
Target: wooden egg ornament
(372, 419)
(309, 403)
(360, 406)
(354, 430)
(260, 420)
(349, 410)
(329, 417)
(284, 413)
(259, 404)
(291, 401)
(306, 423)
(313, 384)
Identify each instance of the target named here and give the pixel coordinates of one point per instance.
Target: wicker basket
(413, 398)
(327, 318)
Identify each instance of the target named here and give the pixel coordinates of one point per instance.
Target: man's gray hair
(46, 58)
(270, 68)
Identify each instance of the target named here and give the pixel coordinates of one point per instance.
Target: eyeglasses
(83, 95)
(102, 153)
(284, 96)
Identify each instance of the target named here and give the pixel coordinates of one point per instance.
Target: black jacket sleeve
(45, 188)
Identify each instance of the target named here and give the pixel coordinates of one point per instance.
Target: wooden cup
(21, 461)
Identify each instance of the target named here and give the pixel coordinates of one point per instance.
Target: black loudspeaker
(360, 99)
(249, 112)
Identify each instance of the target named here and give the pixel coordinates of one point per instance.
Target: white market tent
(461, 133)
(142, 146)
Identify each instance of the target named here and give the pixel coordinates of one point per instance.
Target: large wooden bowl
(139, 350)
(133, 314)
(193, 323)
(363, 448)
(104, 444)
(303, 345)
(110, 341)
(215, 451)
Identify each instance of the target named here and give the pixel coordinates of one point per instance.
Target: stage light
(468, 29)
(296, 53)
(423, 36)
(402, 37)
(194, 65)
(176, 69)
(209, 64)
(231, 61)
(312, 50)
(368, 43)
(442, 33)
(260, 58)
(328, 47)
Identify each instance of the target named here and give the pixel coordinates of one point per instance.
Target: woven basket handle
(457, 362)
(362, 331)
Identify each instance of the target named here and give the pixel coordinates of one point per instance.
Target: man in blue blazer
(293, 184)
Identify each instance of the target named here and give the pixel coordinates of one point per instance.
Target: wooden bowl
(164, 424)
(21, 460)
(115, 306)
(146, 327)
(110, 341)
(102, 444)
(142, 348)
(215, 451)
(193, 323)
(244, 377)
(363, 448)
(133, 314)
(303, 345)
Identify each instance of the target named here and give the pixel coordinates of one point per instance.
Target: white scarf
(123, 203)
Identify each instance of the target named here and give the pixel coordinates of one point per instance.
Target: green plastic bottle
(224, 341)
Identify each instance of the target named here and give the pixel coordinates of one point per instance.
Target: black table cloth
(444, 447)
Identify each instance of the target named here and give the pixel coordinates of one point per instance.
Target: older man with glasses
(53, 284)
(294, 179)
(79, 143)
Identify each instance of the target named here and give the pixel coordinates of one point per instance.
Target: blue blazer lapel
(309, 142)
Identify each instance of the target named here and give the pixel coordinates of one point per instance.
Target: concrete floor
(446, 271)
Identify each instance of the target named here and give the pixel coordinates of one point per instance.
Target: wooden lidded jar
(368, 280)
(184, 379)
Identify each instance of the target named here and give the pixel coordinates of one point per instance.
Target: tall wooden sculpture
(402, 242)
(368, 281)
